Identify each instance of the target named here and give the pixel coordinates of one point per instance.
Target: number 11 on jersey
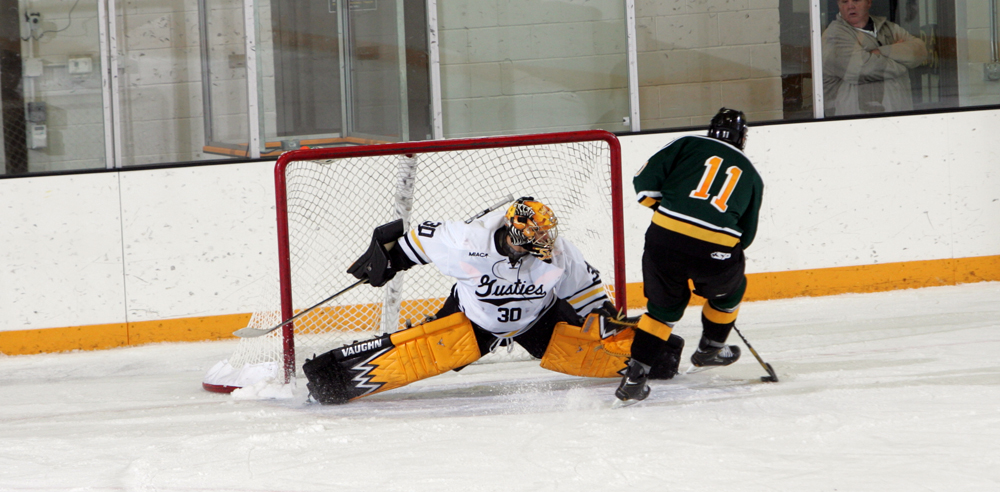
(712, 166)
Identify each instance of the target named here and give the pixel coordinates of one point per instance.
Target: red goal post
(329, 200)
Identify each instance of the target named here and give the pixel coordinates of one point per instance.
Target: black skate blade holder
(771, 377)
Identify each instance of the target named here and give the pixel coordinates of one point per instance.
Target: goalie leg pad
(392, 361)
(427, 350)
(588, 350)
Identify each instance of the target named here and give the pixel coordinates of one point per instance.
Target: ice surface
(896, 391)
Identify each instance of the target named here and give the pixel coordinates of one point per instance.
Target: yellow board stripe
(760, 286)
(694, 231)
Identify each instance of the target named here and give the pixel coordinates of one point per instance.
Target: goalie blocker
(599, 347)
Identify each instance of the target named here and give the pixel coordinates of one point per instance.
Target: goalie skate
(705, 360)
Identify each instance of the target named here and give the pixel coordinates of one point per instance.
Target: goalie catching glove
(380, 262)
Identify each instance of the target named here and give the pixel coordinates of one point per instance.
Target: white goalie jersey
(496, 295)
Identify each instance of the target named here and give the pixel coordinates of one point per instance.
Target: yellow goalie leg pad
(423, 351)
(580, 350)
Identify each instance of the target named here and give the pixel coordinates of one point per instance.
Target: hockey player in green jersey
(706, 197)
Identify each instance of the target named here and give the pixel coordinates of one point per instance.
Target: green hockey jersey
(703, 188)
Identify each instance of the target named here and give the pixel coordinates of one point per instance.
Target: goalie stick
(771, 376)
(254, 332)
(493, 207)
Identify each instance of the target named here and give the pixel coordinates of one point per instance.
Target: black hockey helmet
(729, 125)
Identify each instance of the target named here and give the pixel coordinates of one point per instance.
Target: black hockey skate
(703, 360)
(633, 387)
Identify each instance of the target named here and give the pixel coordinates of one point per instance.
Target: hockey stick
(771, 376)
(493, 207)
(249, 332)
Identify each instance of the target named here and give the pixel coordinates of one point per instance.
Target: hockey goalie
(516, 281)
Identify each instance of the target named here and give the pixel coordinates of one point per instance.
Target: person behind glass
(866, 62)
(706, 197)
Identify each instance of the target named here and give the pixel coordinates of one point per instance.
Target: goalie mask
(532, 226)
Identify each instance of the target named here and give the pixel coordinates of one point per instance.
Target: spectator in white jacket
(866, 62)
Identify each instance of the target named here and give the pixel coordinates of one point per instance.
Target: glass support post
(633, 69)
(110, 83)
(404, 106)
(253, 117)
(434, 56)
(816, 48)
(107, 95)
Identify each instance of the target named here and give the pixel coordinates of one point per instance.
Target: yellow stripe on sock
(719, 317)
(653, 327)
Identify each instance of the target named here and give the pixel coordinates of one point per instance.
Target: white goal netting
(336, 197)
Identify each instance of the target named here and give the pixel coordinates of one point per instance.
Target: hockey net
(328, 201)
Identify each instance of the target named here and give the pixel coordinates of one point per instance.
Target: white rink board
(192, 241)
(60, 252)
(197, 239)
(859, 192)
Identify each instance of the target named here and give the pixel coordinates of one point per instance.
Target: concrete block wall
(697, 56)
(75, 123)
(162, 100)
(160, 80)
(506, 67)
(974, 52)
(523, 66)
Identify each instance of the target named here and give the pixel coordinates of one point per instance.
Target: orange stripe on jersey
(585, 295)
(648, 201)
(416, 241)
(694, 231)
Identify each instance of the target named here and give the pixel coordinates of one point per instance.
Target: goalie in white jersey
(516, 280)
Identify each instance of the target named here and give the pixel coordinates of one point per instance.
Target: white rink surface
(896, 391)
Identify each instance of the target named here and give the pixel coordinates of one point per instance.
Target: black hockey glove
(376, 264)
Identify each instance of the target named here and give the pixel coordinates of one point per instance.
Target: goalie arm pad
(382, 260)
